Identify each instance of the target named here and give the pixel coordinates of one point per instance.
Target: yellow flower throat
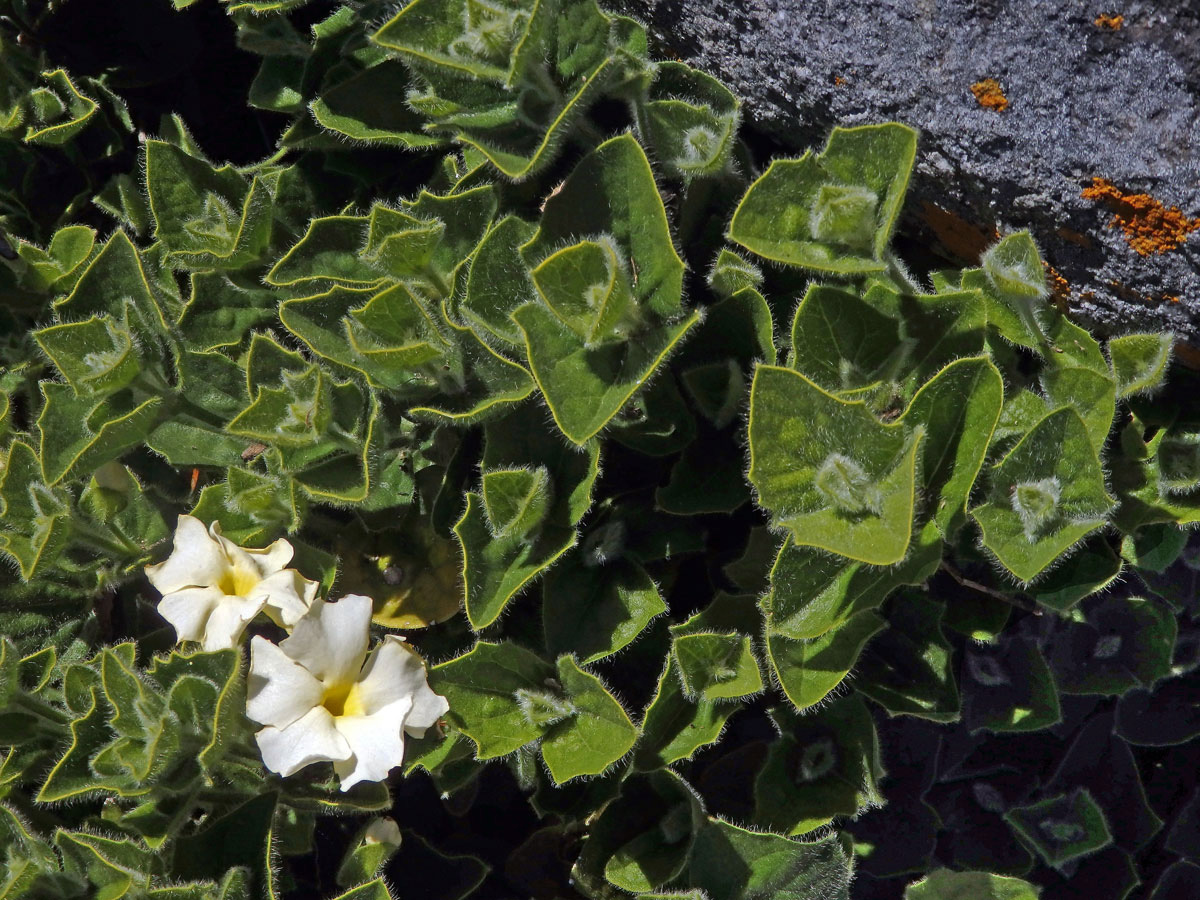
(238, 581)
(343, 700)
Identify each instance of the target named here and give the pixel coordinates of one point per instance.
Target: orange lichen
(1149, 226)
(957, 235)
(1112, 22)
(1173, 298)
(839, 80)
(989, 94)
(1060, 288)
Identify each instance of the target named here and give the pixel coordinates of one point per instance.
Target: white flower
(382, 830)
(320, 702)
(212, 588)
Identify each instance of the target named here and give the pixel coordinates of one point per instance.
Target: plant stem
(1019, 601)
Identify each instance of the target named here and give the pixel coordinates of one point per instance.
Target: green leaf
(122, 198)
(842, 342)
(879, 157)
(510, 81)
(452, 876)
(732, 273)
(51, 269)
(95, 356)
(1139, 362)
(1114, 644)
(690, 119)
(811, 592)
(388, 336)
(941, 328)
(516, 500)
(740, 326)
(29, 857)
(341, 471)
(208, 695)
(808, 670)
(1015, 321)
(466, 214)
(77, 435)
(1008, 688)
(297, 414)
(1022, 410)
(1044, 497)
(958, 409)
(206, 217)
(328, 252)
(483, 385)
(476, 39)
(1177, 455)
(943, 884)
(596, 610)
(829, 471)
(674, 727)
(740, 864)
(824, 764)
(112, 866)
(372, 890)
(59, 110)
(643, 838)
(364, 108)
(717, 666)
(834, 212)
(496, 568)
(1154, 547)
(656, 420)
(243, 837)
(278, 84)
(584, 285)
(399, 244)
(220, 312)
(499, 280)
(1061, 828)
(596, 735)
(908, 669)
(1082, 574)
(73, 776)
(585, 387)
(185, 444)
(612, 192)
(524, 439)
(114, 277)
(1091, 394)
(482, 688)
(1013, 265)
(707, 478)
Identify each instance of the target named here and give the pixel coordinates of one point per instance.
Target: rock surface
(1022, 104)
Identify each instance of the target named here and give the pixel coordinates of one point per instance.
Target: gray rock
(1084, 101)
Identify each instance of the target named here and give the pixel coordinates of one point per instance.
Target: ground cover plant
(509, 419)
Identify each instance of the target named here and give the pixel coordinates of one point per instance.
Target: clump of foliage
(750, 563)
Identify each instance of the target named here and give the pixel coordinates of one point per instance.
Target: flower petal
(383, 830)
(280, 690)
(188, 610)
(394, 671)
(228, 620)
(311, 738)
(273, 558)
(196, 559)
(331, 639)
(287, 596)
(377, 743)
